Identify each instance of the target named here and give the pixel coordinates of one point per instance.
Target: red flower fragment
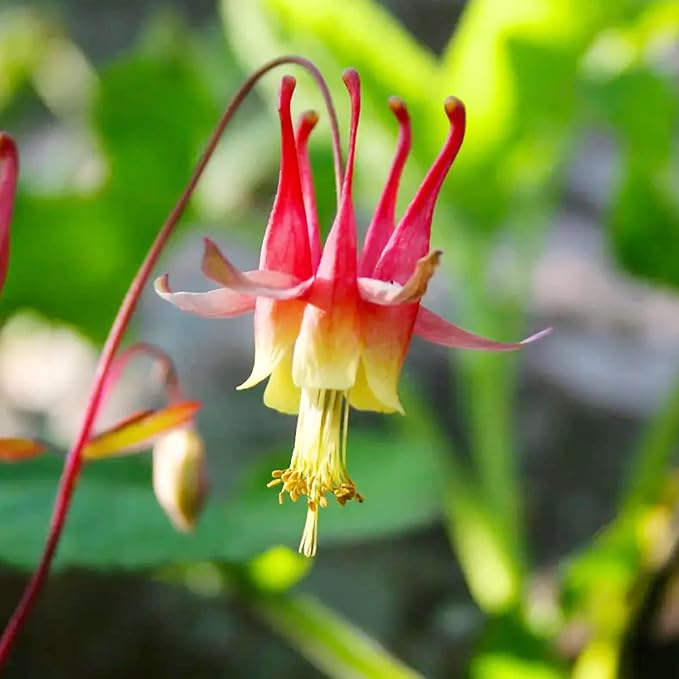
(18, 450)
(9, 170)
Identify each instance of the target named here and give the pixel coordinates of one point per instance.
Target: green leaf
(650, 465)
(336, 36)
(515, 67)
(116, 522)
(509, 649)
(641, 106)
(644, 225)
(152, 113)
(74, 244)
(479, 65)
(22, 36)
(492, 574)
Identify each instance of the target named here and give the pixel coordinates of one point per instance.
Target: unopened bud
(179, 476)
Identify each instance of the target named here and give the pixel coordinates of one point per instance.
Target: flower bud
(179, 476)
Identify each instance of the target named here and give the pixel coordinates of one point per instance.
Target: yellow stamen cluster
(318, 464)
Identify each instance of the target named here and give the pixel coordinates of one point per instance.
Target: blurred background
(521, 520)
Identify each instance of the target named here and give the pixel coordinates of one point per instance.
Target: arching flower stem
(161, 361)
(74, 459)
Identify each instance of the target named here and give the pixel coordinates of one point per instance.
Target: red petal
(328, 347)
(9, 169)
(382, 224)
(306, 124)
(271, 284)
(387, 321)
(338, 261)
(410, 240)
(16, 450)
(437, 330)
(286, 240)
(221, 303)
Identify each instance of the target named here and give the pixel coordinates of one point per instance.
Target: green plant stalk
(653, 455)
(488, 386)
(328, 641)
(487, 383)
(490, 569)
(647, 476)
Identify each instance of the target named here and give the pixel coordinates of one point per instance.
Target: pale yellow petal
(328, 349)
(276, 327)
(281, 394)
(362, 397)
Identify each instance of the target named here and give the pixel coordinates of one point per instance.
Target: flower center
(318, 464)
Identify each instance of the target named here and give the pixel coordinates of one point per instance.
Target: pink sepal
(437, 330)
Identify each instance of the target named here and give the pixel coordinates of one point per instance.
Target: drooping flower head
(333, 326)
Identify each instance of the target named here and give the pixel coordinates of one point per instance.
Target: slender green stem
(488, 382)
(322, 636)
(653, 455)
(490, 568)
(331, 643)
(488, 386)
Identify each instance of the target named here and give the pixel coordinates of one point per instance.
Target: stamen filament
(318, 464)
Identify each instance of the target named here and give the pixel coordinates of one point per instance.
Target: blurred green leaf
(75, 245)
(515, 67)
(116, 522)
(22, 34)
(641, 106)
(508, 650)
(336, 36)
(644, 223)
(490, 568)
(482, 544)
(332, 644)
(152, 112)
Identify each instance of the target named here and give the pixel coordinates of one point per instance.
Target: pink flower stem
(162, 361)
(74, 459)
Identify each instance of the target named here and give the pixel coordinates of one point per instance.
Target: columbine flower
(331, 328)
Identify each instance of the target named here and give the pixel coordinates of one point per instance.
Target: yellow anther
(318, 460)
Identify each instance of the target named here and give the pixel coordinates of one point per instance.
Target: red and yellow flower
(332, 326)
